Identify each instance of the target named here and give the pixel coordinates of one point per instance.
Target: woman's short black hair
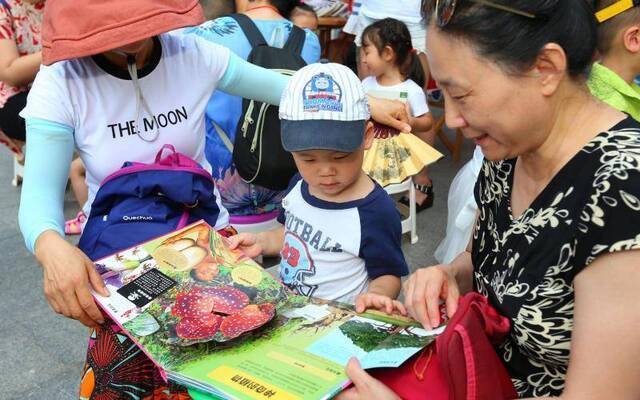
(514, 42)
(285, 6)
(217, 8)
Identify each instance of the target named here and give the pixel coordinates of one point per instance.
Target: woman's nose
(452, 116)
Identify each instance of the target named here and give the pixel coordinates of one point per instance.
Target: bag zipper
(247, 119)
(259, 125)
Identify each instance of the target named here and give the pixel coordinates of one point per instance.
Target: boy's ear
(631, 38)
(368, 135)
(550, 67)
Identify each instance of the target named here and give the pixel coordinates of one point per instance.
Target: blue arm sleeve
(47, 163)
(243, 79)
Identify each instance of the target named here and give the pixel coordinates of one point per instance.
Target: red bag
(461, 364)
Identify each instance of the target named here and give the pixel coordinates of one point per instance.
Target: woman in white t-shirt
(116, 86)
(394, 65)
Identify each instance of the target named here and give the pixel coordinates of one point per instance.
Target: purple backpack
(140, 202)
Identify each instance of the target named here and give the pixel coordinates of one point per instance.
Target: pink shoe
(74, 226)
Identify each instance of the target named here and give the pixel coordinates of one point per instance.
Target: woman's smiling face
(501, 112)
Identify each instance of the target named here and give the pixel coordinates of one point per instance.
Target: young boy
(612, 78)
(304, 16)
(341, 234)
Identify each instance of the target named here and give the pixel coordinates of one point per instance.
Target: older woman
(116, 86)
(555, 245)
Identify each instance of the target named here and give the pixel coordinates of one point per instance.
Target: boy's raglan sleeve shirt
(381, 238)
(282, 218)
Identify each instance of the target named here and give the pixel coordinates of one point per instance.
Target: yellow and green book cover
(213, 320)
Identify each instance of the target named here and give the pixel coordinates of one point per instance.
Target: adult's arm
(427, 286)
(392, 113)
(68, 273)
(605, 345)
(16, 70)
(243, 79)
(47, 163)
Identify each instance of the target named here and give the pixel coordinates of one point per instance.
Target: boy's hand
(379, 302)
(248, 243)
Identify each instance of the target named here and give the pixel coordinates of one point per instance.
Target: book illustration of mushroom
(250, 291)
(227, 299)
(198, 328)
(249, 318)
(180, 255)
(203, 312)
(191, 304)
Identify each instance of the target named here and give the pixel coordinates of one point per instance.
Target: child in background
(394, 65)
(612, 77)
(304, 17)
(341, 235)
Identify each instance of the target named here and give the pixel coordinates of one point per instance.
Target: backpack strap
(250, 30)
(295, 43)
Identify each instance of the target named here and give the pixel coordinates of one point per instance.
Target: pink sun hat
(80, 28)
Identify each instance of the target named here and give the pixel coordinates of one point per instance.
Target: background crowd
(542, 220)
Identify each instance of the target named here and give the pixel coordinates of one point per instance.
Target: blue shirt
(332, 250)
(238, 197)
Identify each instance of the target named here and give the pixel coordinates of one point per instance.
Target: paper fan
(393, 156)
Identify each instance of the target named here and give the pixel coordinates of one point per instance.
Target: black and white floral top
(526, 266)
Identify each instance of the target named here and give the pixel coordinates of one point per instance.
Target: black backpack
(258, 154)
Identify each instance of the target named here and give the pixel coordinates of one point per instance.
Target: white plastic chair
(409, 223)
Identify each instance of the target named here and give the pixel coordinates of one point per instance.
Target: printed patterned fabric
(526, 265)
(116, 368)
(394, 157)
(20, 21)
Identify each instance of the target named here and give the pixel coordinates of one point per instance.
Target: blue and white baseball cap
(323, 107)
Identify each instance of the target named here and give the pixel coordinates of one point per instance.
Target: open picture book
(213, 320)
